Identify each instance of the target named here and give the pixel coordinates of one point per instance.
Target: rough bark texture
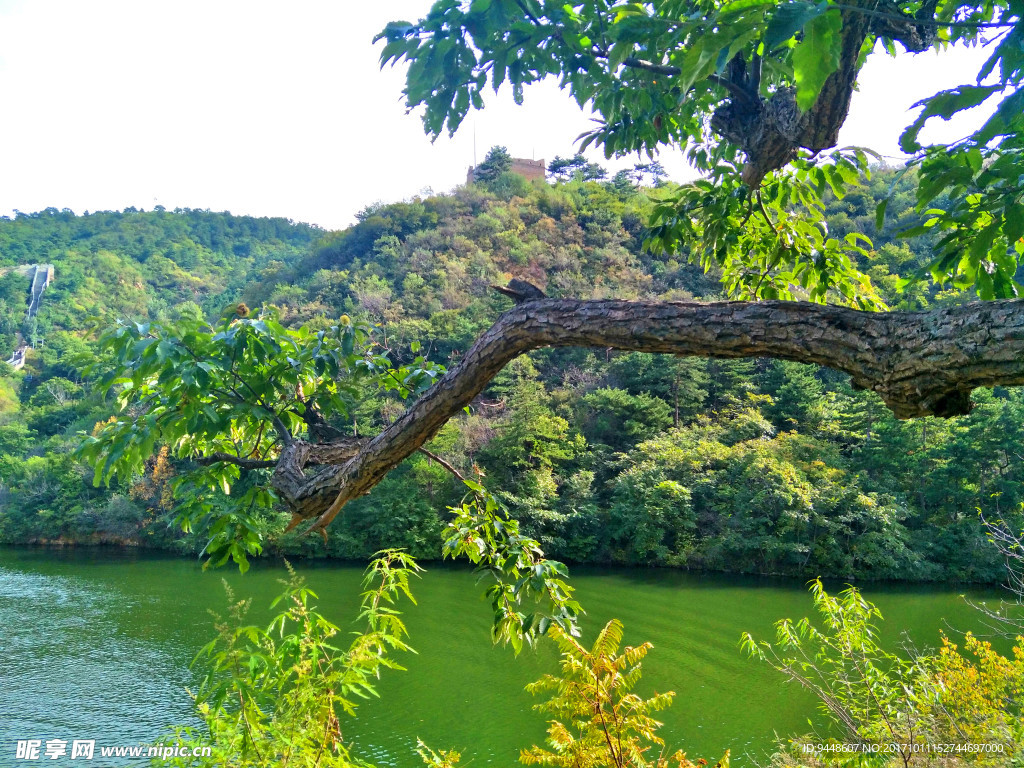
(919, 363)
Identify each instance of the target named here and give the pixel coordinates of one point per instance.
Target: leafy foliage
(278, 696)
(482, 531)
(497, 162)
(205, 389)
(714, 78)
(275, 696)
(596, 718)
(774, 243)
(156, 265)
(236, 391)
(872, 693)
(983, 238)
(576, 167)
(978, 697)
(646, 69)
(896, 709)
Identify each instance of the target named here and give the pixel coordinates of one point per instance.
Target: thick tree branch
(736, 90)
(313, 454)
(282, 431)
(921, 364)
(289, 478)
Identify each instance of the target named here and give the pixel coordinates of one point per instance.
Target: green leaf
(1013, 222)
(393, 50)
(787, 20)
(618, 54)
(944, 104)
(500, 66)
(880, 214)
(816, 56)
(736, 7)
(1006, 120)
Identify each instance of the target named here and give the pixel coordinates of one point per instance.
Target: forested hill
(131, 264)
(137, 263)
(749, 466)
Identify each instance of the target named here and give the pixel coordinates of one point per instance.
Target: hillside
(752, 466)
(131, 264)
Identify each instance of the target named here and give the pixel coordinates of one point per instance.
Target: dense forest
(750, 466)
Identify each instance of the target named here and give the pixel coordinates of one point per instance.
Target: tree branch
(443, 463)
(302, 455)
(279, 427)
(924, 363)
(529, 13)
(771, 131)
(648, 66)
(735, 89)
(902, 19)
(229, 458)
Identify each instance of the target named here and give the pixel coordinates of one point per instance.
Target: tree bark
(924, 363)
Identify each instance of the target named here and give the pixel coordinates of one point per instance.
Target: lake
(96, 644)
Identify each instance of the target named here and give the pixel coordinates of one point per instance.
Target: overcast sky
(280, 109)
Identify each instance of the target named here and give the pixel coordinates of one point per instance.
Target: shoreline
(272, 559)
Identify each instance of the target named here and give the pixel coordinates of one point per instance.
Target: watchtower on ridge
(530, 170)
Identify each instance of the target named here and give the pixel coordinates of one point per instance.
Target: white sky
(279, 109)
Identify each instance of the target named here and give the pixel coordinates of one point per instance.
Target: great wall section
(528, 169)
(41, 276)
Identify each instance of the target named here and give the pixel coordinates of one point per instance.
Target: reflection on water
(97, 645)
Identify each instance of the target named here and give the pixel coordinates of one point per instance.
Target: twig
(650, 66)
(910, 20)
(442, 462)
(220, 456)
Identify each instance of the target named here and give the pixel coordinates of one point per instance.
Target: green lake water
(97, 645)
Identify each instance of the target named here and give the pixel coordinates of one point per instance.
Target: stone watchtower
(528, 169)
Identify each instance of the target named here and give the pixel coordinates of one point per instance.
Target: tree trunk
(771, 131)
(924, 363)
(675, 397)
